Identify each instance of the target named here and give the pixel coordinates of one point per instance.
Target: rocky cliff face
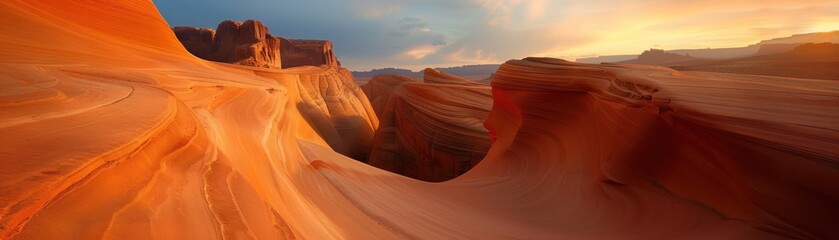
(198, 41)
(249, 43)
(301, 52)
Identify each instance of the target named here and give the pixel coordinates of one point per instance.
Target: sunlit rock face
(111, 132)
(301, 52)
(249, 43)
(431, 130)
(246, 43)
(336, 108)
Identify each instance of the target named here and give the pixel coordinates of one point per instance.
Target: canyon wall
(704, 138)
(112, 131)
(431, 130)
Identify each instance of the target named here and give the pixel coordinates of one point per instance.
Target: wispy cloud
(419, 33)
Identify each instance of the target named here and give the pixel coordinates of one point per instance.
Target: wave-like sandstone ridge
(430, 130)
(112, 131)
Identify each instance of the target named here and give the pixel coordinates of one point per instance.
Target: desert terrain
(112, 129)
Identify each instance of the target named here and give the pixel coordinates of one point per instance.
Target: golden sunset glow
(419, 119)
(425, 33)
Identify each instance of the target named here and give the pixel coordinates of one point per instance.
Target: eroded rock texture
(111, 132)
(431, 130)
(249, 43)
(336, 108)
(709, 139)
(301, 52)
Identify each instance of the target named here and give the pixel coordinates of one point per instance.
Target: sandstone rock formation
(814, 51)
(198, 41)
(431, 130)
(335, 107)
(249, 43)
(111, 131)
(660, 57)
(300, 52)
(774, 48)
(811, 60)
(707, 138)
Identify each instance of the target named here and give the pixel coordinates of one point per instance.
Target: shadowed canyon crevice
(112, 129)
(430, 130)
(427, 135)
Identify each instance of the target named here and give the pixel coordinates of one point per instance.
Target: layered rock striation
(708, 139)
(430, 130)
(111, 131)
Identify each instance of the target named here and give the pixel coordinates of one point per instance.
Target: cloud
(421, 33)
(417, 31)
(410, 23)
(406, 25)
(440, 40)
(372, 9)
(420, 52)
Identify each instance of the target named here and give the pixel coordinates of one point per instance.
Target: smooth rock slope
(112, 132)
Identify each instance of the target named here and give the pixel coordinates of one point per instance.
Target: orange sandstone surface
(430, 130)
(111, 129)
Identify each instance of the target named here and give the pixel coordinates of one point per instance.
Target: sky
(416, 34)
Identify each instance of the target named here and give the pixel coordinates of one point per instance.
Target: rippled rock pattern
(112, 131)
(431, 130)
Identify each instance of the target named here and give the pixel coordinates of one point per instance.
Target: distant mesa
(815, 50)
(659, 56)
(473, 72)
(249, 43)
(782, 57)
(771, 46)
(820, 60)
(302, 52)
